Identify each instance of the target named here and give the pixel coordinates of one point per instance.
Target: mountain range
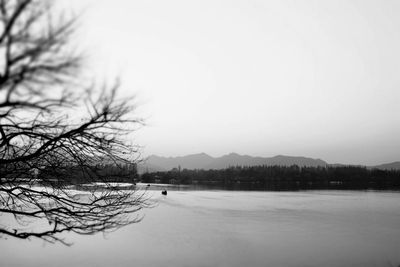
(204, 161)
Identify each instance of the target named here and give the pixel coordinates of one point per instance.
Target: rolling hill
(204, 161)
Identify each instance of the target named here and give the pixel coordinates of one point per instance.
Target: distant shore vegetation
(281, 178)
(232, 178)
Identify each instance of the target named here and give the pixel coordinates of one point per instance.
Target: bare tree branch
(57, 134)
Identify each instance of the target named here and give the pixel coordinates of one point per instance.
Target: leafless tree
(56, 130)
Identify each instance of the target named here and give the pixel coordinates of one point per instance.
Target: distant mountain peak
(205, 161)
(202, 154)
(388, 166)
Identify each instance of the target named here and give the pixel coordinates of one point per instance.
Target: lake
(237, 228)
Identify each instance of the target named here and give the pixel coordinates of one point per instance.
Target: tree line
(281, 178)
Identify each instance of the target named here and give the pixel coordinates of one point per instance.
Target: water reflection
(237, 228)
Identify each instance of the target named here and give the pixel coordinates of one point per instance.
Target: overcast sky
(311, 78)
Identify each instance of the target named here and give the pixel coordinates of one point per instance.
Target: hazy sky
(312, 78)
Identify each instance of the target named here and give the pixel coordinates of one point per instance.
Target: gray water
(228, 228)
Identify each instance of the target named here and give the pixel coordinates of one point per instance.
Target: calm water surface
(228, 228)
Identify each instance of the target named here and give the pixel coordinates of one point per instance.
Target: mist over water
(237, 228)
(92, 91)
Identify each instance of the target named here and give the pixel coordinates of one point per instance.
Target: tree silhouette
(56, 129)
